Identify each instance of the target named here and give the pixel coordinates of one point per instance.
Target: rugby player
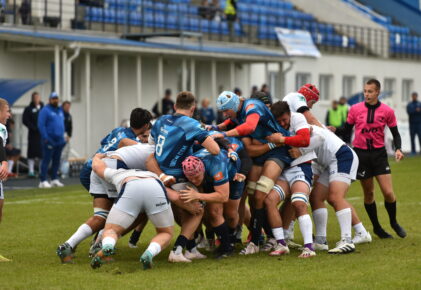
(140, 192)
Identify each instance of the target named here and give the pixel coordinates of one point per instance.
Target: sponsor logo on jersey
(218, 176)
(160, 204)
(249, 107)
(371, 130)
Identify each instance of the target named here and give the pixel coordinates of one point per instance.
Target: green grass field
(36, 221)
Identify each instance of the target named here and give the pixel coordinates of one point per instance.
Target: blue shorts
(279, 154)
(85, 176)
(236, 190)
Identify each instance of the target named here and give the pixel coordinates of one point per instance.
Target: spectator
(335, 117)
(203, 10)
(238, 92)
(414, 112)
(25, 12)
(167, 105)
(344, 108)
(51, 127)
(231, 16)
(254, 89)
(214, 10)
(265, 89)
(68, 128)
(207, 115)
(30, 120)
(12, 153)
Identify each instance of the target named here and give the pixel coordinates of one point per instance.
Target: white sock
(345, 218)
(10, 165)
(99, 237)
(82, 233)
(320, 221)
(108, 241)
(154, 248)
(359, 228)
(286, 233)
(306, 227)
(178, 250)
(278, 233)
(31, 165)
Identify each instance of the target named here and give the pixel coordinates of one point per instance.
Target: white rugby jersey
(135, 155)
(295, 101)
(3, 134)
(117, 176)
(325, 144)
(298, 122)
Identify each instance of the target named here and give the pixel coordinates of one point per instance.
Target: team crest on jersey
(234, 147)
(218, 176)
(249, 107)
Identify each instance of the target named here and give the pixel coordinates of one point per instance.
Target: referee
(370, 119)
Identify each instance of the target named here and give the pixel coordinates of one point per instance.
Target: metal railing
(254, 25)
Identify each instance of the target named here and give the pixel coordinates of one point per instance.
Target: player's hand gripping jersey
(174, 136)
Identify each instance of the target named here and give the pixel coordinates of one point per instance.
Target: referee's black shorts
(372, 163)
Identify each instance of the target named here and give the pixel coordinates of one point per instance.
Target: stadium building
(110, 56)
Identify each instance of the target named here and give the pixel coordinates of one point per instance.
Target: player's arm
(99, 166)
(4, 165)
(192, 207)
(126, 142)
(397, 141)
(301, 138)
(211, 145)
(153, 166)
(246, 162)
(247, 128)
(220, 127)
(311, 119)
(255, 148)
(220, 195)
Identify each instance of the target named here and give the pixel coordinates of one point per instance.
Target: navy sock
(181, 241)
(134, 238)
(223, 233)
(190, 244)
(257, 225)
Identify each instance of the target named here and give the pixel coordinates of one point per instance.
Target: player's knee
(251, 187)
(299, 199)
(101, 213)
(265, 184)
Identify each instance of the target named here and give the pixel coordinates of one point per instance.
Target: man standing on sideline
(51, 127)
(207, 115)
(68, 128)
(30, 120)
(414, 112)
(167, 105)
(370, 118)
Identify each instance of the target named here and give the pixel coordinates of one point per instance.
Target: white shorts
(1, 190)
(99, 187)
(145, 195)
(302, 172)
(343, 168)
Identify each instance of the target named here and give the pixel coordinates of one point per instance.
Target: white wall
(360, 67)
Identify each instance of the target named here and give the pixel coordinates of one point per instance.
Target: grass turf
(36, 221)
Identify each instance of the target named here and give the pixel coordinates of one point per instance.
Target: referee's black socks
(371, 209)
(391, 210)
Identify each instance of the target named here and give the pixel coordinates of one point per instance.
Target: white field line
(41, 199)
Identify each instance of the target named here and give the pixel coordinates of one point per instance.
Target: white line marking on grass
(42, 199)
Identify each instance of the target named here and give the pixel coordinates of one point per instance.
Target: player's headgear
(228, 101)
(310, 92)
(192, 166)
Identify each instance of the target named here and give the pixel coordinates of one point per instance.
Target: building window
(325, 87)
(407, 87)
(348, 86)
(301, 79)
(389, 87)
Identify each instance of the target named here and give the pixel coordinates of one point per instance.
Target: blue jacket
(51, 125)
(414, 116)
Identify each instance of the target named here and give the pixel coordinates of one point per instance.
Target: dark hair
(33, 95)
(375, 82)
(237, 91)
(262, 96)
(185, 100)
(66, 103)
(139, 118)
(168, 92)
(279, 108)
